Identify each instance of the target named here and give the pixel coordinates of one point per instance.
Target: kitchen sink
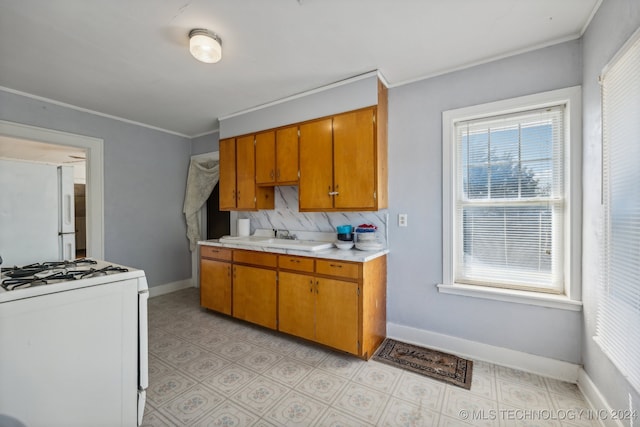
(272, 242)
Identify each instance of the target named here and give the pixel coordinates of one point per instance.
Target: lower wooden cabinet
(215, 279)
(337, 314)
(255, 295)
(215, 285)
(296, 305)
(319, 309)
(335, 303)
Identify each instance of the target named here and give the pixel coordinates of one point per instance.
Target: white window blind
(618, 320)
(509, 200)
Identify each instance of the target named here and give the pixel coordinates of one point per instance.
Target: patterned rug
(434, 364)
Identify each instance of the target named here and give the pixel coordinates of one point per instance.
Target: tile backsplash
(286, 216)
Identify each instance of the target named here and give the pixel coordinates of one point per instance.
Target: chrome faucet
(285, 234)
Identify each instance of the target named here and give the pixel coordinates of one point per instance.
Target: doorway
(89, 151)
(218, 222)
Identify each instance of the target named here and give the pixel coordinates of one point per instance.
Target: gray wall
(205, 143)
(615, 21)
(357, 93)
(415, 188)
(145, 174)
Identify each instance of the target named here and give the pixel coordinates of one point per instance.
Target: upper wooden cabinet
(277, 157)
(316, 165)
(238, 190)
(339, 163)
(342, 166)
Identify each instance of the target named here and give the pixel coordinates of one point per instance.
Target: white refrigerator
(36, 212)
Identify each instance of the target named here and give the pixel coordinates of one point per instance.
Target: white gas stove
(47, 277)
(73, 343)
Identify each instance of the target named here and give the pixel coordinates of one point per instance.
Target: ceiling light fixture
(205, 46)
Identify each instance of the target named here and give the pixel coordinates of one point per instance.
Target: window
(507, 197)
(618, 319)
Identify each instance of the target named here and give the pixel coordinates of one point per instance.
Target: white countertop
(355, 255)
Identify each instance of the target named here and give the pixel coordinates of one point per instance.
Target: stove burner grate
(37, 274)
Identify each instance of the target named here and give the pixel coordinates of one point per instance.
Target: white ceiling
(130, 59)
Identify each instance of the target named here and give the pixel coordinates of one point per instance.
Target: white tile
(259, 395)
(228, 414)
(518, 417)
(259, 360)
(322, 386)
(362, 402)
(460, 404)
(309, 354)
(523, 396)
(420, 390)
(341, 364)
(235, 349)
(377, 375)
(288, 371)
(400, 413)
(269, 379)
(204, 365)
(295, 409)
(165, 387)
(191, 405)
(483, 385)
(156, 419)
(516, 375)
(230, 379)
(336, 418)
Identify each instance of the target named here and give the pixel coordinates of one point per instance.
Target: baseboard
(596, 400)
(167, 288)
(539, 365)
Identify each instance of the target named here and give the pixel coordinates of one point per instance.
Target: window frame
(570, 298)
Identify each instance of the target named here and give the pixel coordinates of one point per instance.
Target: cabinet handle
(278, 173)
(317, 287)
(311, 285)
(229, 271)
(335, 265)
(295, 260)
(271, 174)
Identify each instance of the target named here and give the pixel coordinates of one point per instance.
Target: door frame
(94, 175)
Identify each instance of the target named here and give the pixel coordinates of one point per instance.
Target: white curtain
(203, 177)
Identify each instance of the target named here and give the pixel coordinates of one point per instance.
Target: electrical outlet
(402, 220)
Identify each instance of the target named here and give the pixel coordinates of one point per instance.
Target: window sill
(561, 302)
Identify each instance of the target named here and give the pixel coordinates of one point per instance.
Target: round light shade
(205, 46)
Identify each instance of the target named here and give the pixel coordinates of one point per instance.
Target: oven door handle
(143, 340)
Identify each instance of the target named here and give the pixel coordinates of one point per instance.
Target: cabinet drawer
(295, 263)
(338, 268)
(215, 252)
(255, 258)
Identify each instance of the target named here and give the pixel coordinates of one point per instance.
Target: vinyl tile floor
(211, 370)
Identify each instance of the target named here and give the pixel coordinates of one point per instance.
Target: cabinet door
(316, 165)
(287, 155)
(337, 314)
(215, 285)
(265, 158)
(227, 174)
(354, 157)
(245, 173)
(254, 295)
(296, 301)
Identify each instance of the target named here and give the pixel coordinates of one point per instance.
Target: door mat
(434, 364)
